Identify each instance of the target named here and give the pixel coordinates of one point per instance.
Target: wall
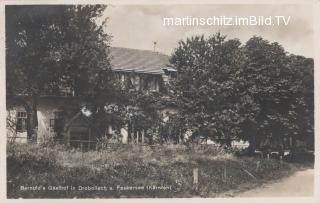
(46, 108)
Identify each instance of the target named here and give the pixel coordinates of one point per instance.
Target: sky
(138, 26)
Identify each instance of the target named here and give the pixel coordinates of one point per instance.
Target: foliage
(142, 111)
(51, 48)
(209, 87)
(255, 92)
(30, 36)
(282, 87)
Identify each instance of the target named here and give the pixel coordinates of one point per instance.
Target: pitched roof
(143, 61)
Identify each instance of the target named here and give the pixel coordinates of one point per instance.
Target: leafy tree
(49, 47)
(304, 109)
(277, 84)
(256, 92)
(210, 86)
(30, 35)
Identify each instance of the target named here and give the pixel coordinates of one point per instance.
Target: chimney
(154, 46)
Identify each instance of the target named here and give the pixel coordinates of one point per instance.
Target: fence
(86, 145)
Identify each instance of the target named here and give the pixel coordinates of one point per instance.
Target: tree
(277, 83)
(256, 92)
(210, 87)
(304, 108)
(48, 47)
(29, 39)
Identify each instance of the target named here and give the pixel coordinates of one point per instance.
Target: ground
(300, 184)
(220, 173)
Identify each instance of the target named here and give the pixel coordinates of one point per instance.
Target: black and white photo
(159, 100)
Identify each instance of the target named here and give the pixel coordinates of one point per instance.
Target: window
(154, 84)
(122, 78)
(170, 74)
(21, 121)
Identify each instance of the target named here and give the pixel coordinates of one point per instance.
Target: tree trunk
(252, 145)
(254, 141)
(32, 118)
(251, 149)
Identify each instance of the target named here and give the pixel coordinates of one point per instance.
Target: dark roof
(143, 61)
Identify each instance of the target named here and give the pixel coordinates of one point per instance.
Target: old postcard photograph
(169, 100)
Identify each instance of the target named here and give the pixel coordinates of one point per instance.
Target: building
(59, 117)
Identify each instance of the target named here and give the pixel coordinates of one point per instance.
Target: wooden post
(158, 133)
(142, 136)
(268, 156)
(89, 138)
(195, 178)
(258, 165)
(68, 136)
(49, 134)
(137, 136)
(82, 159)
(225, 173)
(110, 130)
(124, 132)
(281, 161)
(132, 133)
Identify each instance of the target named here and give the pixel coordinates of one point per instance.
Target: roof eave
(137, 71)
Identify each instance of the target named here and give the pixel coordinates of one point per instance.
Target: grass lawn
(132, 171)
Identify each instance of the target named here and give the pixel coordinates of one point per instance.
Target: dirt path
(299, 184)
